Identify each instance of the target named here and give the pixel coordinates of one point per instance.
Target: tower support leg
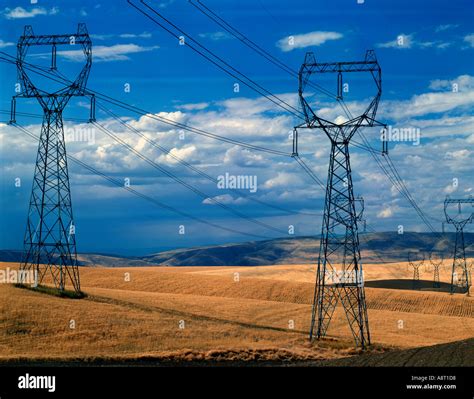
(50, 243)
(339, 274)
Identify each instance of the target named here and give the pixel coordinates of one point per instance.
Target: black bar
(73, 381)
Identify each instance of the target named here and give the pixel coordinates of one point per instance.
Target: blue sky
(423, 47)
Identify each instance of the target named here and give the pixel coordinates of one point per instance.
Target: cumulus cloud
(4, 44)
(459, 154)
(309, 39)
(193, 107)
(282, 179)
(21, 13)
(143, 35)
(226, 199)
(469, 39)
(407, 41)
(433, 102)
(215, 36)
(149, 124)
(117, 52)
(242, 157)
(402, 41)
(442, 28)
(385, 213)
(463, 82)
(184, 153)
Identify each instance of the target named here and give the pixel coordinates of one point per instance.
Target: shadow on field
(400, 284)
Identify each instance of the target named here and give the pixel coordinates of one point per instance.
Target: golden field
(233, 313)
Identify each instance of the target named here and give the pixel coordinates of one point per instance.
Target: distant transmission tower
(416, 262)
(50, 242)
(469, 270)
(460, 279)
(360, 213)
(436, 261)
(339, 244)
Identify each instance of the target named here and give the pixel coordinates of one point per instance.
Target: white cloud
(96, 36)
(442, 28)
(143, 35)
(193, 107)
(117, 52)
(402, 41)
(433, 102)
(215, 36)
(463, 82)
(427, 169)
(226, 199)
(458, 155)
(306, 40)
(407, 41)
(443, 45)
(424, 104)
(469, 39)
(282, 179)
(450, 188)
(148, 124)
(385, 213)
(20, 12)
(242, 157)
(4, 44)
(184, 153)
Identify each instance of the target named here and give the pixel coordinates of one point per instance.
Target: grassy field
(229, 313)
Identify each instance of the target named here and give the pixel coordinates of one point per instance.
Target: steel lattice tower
(416, 264)
(436, 263)
(50, 242)
(339, 244)
(360, 213)
(460, 280)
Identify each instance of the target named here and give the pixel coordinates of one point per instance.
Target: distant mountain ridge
(375, 248)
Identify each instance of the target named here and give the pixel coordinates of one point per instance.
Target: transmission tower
(469, 271)
(460, 281)
(50, 241)
(416, 262)
(436, 260)
(339, 244)
(360, 214)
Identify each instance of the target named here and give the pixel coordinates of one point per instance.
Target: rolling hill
(389, 246)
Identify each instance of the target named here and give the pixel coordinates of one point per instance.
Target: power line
(154, 201)
(119, 183)
(141, 111)
(309, 172)
(218, 61)
(254, 46)
(193, 168)
(183, 183)
(397, 181)
(36, 116)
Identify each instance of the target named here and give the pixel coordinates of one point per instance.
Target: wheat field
(212, 312)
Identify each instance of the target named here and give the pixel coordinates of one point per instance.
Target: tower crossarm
(458, 222)
(76, 87)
